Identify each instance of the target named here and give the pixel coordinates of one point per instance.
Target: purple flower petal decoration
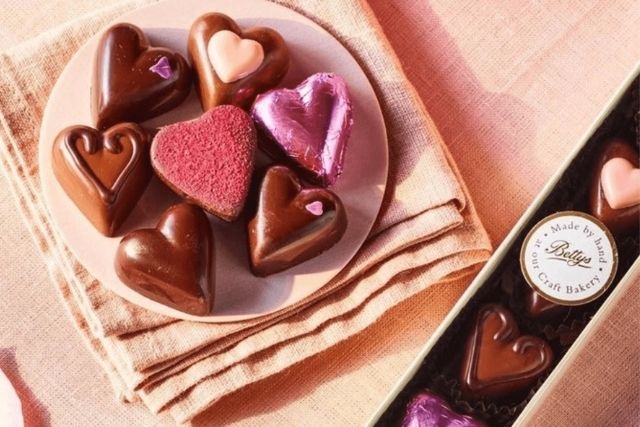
(162, 68)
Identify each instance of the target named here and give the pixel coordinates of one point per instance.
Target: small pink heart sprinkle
(162, 68)
(315, 208)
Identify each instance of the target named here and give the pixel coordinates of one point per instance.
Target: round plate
(10, 407)
(238, 295)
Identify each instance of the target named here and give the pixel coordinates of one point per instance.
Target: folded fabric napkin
(427, 225)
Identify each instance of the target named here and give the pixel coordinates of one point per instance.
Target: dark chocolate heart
(104, 173)
(620, 221)
(498, 361)
(539, 307)
(292, 224)
(134, 82)
(427, 409)
(242, 91)
(172, 263)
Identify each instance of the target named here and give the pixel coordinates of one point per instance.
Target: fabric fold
(427, 231)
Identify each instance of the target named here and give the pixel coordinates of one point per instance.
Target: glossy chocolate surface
(623, 221)
(498, 361)
(104, 173)
(292, 224)
(172, 263)
(427, 409)
(308, 126)
(539, 307)
(132, 81)
(211, 89)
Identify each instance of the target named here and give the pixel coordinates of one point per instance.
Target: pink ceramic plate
(239, 295)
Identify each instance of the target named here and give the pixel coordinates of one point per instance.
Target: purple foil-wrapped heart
(429, 410)
(309, 125)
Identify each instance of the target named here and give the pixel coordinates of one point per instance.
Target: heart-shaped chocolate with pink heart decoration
(292, 224)
(615, 187)
(427, 409)
(104, 173)
(133, 81)
(209, 160)
(308, 126)
(235, 65)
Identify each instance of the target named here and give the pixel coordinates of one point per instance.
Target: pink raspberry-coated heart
(309, 126)
(209, 160)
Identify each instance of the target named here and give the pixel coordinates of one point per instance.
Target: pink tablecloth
(511, 88)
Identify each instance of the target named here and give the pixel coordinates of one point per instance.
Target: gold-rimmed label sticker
(569, 258)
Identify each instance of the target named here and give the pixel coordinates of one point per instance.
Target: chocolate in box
(556, 330)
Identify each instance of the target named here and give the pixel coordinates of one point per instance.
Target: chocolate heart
(624, 220)
(292, 224)
(308, 126)
(241, 80)
(104, 173)
(172, 263)
(539, 307)
(208, 160)
(498, 361)
(427, 409)
(134, 82)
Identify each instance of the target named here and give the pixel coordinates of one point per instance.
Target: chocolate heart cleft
(172, 263)
(104, 173)
(498, 361)
(308, 126)
(209, 160)
(133, 81)
(427, 409)
(234, 70)
(621, 220)
(292, 224)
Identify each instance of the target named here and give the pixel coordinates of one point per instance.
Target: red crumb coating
(209, 160)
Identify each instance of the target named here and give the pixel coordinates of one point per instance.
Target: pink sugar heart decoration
(315, 208)
(209, 160)
(309, 125)
(620, 183)
(233, 57)
(162, 68)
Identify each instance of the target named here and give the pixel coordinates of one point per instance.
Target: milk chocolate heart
(134, 82)
(619, 179)
(104, 173)
(427, 409)
(172, 263)
(292, 224)
(308, 126)
(208, 160)
(498, 361)
(234, 70)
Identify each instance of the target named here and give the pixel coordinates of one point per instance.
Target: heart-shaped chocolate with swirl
(104, 173)
(292, 224)
(134, 82)
(614, 196)
(172, 263)
(498, 361)
(234, 65)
